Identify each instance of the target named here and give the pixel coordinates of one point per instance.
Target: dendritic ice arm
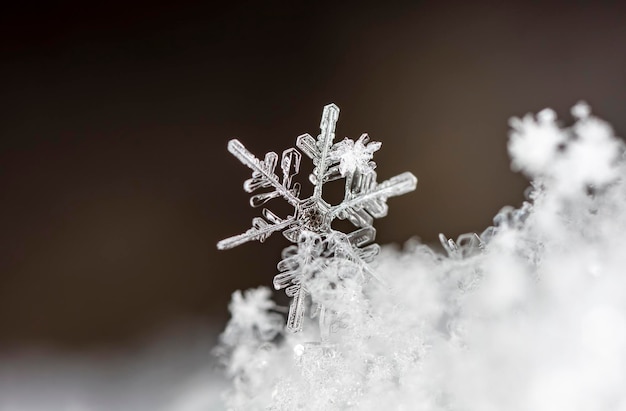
(326, 168)
(260, 230)
(318, 247)
(369, 199)
(263, 177)
(299, 262)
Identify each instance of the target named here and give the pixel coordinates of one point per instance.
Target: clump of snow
(534, 142)
(252, 318)
(532, 317)
(584, 155)
(356, 156)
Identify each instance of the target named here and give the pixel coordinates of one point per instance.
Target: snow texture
(317, 244)
(528, 315)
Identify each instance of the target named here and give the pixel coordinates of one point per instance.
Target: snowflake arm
(260, 230)
(263, 174)
(372, 197)
(320, 150)
(299, 262)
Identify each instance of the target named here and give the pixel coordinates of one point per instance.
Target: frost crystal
(317, 246)
(584, 155)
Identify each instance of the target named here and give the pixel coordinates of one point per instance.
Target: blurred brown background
(115, 179)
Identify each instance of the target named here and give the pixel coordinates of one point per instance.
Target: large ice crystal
(309, 226)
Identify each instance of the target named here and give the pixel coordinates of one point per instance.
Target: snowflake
(309, 227)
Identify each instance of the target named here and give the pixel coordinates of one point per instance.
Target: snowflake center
(315, 216)
(313, 219)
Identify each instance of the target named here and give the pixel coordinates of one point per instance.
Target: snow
(530, 314)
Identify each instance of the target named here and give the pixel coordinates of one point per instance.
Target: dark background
(115, 179)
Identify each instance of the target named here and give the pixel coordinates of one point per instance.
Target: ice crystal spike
(316, 245)
(466, 245)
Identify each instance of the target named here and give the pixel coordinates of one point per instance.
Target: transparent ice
(309, 226)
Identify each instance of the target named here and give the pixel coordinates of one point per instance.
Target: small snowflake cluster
(317, 247)
(568, 160)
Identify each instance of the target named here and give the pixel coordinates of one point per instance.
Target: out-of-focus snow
(173, 372)
(534, 141)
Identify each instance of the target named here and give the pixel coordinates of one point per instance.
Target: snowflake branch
(320, 150)
(395, 186)
(353, 248)
(255, 233)
(267, 173)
